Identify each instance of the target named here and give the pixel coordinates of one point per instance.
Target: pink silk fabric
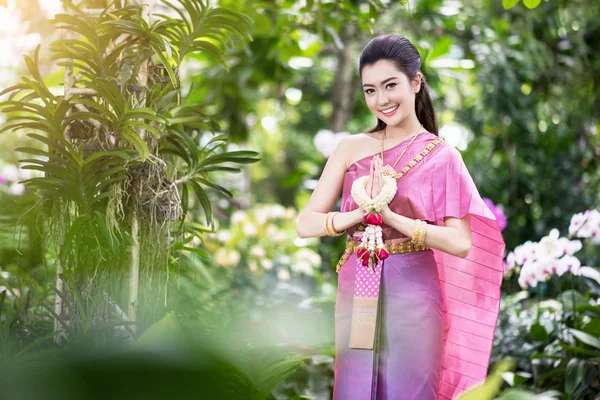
(438, 187)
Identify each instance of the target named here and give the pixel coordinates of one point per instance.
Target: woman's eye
(390, 85)
(369, 91)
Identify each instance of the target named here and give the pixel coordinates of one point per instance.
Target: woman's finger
(370, 180)
(378, 175)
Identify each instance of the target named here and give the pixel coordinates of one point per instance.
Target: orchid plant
(554, 255)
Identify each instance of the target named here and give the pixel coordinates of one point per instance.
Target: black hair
(405, 55)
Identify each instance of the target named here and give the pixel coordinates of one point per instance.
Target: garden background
(154, 156)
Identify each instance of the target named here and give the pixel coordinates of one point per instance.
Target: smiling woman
(419, 283)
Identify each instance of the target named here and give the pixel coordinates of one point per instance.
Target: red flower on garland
(373, 219)
(365, 260)
(361, 252)
(382, 253)
(363, 255)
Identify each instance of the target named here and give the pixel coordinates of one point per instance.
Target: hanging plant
(120, 153)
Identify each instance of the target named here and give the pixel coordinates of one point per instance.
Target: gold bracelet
(333, 231)
(328, 225)
(423, 234)
(416, 232)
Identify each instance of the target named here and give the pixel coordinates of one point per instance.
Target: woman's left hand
(386, 213)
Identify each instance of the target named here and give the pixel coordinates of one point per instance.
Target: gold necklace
(388, 170)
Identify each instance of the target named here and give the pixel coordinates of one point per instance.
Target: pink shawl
(438, 187)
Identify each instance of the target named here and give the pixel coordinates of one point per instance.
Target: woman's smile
(388, 112)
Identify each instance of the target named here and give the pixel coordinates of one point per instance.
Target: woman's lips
(390, 113)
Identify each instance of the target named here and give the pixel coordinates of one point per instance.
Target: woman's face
(388, 92)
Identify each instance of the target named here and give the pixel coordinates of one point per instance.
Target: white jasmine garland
(360, 196)
(372, 240)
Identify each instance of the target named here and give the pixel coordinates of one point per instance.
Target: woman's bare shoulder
(352, 146)
(359, 139)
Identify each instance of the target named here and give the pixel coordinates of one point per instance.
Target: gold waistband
(391, 247)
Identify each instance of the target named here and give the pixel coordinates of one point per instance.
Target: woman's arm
(453, 238)
(310, 220)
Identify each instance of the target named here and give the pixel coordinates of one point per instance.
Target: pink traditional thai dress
(437, 313)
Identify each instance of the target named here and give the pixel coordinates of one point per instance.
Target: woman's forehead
(374, 74)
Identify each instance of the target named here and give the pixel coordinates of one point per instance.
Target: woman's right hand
(375, 181)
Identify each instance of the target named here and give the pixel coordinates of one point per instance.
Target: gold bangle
(416, 232)
(423, 233)
(328, 225)
(327, 222)
(333, 231)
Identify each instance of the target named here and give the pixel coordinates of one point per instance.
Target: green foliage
(163, 362)
(18, 338)
(558, 357)
(508, 4)
(121, 148)
(492, 384)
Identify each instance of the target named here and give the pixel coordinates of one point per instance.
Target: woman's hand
(375, 181)
(386, 213)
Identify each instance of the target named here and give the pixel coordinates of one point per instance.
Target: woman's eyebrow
(383, 82)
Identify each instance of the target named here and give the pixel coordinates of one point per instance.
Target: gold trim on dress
(391, 247)
(413, 162)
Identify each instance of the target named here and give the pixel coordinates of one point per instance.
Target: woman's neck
(407, 128)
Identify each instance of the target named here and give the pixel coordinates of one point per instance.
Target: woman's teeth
(389, 110)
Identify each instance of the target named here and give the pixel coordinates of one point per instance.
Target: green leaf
(240, 157)
(441, 48)
(531, 3)
(137, 142)
(538, 333)
(492, 384)
(585, 338)
(184, 199)
(203, 198)
(592, 327)
(514, 394)
(516, 378)
(167, 330)
(273, 374)
(590, 308)
(198, 251)
(567, 297)
(574, 375)
(218, 188)
(508, 4)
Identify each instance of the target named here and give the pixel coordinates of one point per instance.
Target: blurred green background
(205, 126)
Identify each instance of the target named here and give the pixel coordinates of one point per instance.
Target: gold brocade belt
(391, 247)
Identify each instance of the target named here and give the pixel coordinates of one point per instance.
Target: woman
(417, 323)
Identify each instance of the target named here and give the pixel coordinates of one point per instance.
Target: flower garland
(371, 249)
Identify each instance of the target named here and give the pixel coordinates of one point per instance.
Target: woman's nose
(382, 99)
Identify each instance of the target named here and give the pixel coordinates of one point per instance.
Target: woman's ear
(418, 81)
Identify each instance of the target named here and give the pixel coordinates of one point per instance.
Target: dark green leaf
(538, 333)
(574, 375)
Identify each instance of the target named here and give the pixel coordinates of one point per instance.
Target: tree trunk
(343, 88)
